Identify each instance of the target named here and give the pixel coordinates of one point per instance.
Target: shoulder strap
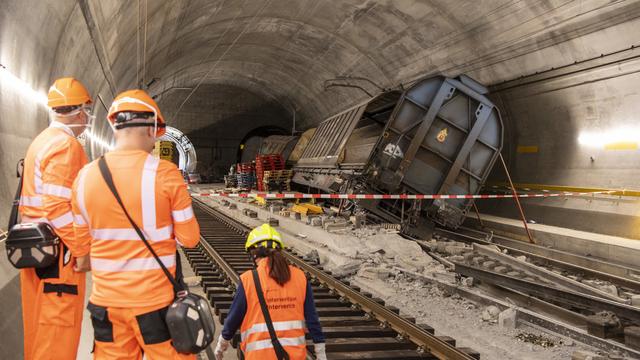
(106, 175)
(13, 218)
(280, 352)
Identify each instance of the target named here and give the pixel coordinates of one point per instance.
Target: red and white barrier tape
(390, 196)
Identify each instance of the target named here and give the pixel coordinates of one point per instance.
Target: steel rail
(556, 258)
(567, 297)
(224, 265)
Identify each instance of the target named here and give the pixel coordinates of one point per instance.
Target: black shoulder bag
(281, 353)
(189, 334)
(30, 245)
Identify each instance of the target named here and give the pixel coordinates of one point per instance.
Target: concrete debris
(494, 247)
(316, 221)
(586, 355)
(501, 269)
(250, 213)
(521, 258)
(336, 226)
(447, 276)
(604, 325)
(301, 236)
(635, 300)
(568, 342)
(359, 220)
(441, 246)
(490, 313)
(508, 319)
(489, 264)
(456, 249)
(468, 282)
(313, 256)
(535, 339)
(373, 272)
(610, 289)
(478, 260)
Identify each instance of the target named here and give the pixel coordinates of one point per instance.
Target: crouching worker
(131, 292)
(288, 298)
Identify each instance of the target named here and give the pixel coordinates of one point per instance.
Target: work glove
(320, 351)
(222, 346)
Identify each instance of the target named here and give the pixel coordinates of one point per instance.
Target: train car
(440, 136)
(279, 144)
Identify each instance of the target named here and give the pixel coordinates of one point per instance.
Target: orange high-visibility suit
(53, 297)
(130, 292)
(286, 307)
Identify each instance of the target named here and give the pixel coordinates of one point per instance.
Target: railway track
(624, 277)
(356, 325)
(573, 266)
(559, 279)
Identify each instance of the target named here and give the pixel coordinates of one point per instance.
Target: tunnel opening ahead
(218, 118)
(251, 144)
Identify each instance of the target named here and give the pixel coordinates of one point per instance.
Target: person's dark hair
(278, 266)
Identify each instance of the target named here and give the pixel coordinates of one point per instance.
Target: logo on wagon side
(442, 135)
(393, 150)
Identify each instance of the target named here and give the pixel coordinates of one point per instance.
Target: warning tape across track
(391, 196)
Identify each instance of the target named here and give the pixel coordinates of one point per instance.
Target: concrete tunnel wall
(283, 51)
(274, 55)
(216, 119)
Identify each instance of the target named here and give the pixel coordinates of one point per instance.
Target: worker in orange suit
(131, 294)
(288, 297)
(53, 297)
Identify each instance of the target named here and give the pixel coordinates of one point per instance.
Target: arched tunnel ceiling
(261, 62)
(285, 49)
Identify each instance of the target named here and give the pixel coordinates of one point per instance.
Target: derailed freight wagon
(440, 136)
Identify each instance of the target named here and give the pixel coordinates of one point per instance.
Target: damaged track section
(356, 325)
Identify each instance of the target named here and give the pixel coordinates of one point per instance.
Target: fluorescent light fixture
(9, 79)
(623, 138)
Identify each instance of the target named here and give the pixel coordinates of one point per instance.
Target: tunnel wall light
(7, 78)
(625, 138)
(98, 140)
(10, 80)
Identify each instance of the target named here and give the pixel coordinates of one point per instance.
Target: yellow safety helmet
(264, 236)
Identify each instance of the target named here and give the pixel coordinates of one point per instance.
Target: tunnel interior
(560, 73)
(563, 75)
